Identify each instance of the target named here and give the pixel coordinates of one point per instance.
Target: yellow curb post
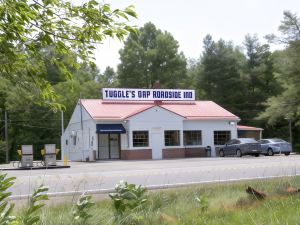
(65, 160)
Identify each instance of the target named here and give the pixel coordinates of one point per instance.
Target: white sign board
(148, 94)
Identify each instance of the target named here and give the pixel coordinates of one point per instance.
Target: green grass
(227, 204)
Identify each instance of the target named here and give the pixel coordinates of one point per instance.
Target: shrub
(81, 210)
(5, 208)
(128, 196)
(31, 217)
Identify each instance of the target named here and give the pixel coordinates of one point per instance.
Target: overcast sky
(190, 20)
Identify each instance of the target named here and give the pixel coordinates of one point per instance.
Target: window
(172, 138)
(192, 137)
(140, 138)
(66, 141)
(264, 141)
(221, 137)
(74, 137)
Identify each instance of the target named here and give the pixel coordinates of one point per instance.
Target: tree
(259, 78)
(219, 77)
(36, 125)
(287, 103)
(108, 78)
(27, 27)
(150, 56)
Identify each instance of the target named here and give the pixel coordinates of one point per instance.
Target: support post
(6, 137)
(290, 129)
(62, 123)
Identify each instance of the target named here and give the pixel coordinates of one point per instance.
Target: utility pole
(6, 137)
(62, 122)
(81, 123)
(290, 128)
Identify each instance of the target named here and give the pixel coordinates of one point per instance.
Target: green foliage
(286, 104)
(228, 204)
(128, 197)
(2, 152)
(31, 217)
(5, 207)
(219, 72)
(108, 78)
(29, 27)
(150, 56)
(81, 213)
(203, 203)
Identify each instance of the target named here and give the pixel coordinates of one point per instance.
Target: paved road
(105, 174)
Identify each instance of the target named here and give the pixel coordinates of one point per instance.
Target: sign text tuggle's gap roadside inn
(146, 124)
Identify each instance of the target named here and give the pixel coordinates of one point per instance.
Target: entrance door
(114, 144)
(109, 146)
(103, 148)
(157, 142)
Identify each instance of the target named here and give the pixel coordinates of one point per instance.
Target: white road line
(149, 187)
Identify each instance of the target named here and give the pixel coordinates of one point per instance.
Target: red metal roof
(240, 127)
(198, 110)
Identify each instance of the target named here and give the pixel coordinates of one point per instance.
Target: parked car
(275, 146)
(240, 147)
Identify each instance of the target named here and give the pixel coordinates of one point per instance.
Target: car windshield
(278, 140)
(248, 140)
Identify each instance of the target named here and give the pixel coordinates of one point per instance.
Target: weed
(82, 208)
(31, 216)
(5, 207)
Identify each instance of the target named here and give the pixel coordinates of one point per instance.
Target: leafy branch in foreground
(31, 217)
(5, 207)
(29, 26)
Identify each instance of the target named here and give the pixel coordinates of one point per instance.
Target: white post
(62, 123)
(6, 137)
(290, 128)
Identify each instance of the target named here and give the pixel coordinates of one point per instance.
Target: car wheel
(256, 155)
(221, 153)
(287, 153)
(238, 153)
(270, 152)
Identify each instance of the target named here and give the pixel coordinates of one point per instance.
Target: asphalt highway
(102, 176)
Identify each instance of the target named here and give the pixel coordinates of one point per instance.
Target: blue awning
(110, 129)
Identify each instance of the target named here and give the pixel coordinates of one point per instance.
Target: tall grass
(225, 204)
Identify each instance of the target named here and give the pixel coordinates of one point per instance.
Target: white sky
(189, 21)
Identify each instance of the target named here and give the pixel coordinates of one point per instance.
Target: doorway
(157, 142)
(109, 146)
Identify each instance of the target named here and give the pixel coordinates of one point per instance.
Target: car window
(248, 140)
(230, 142)
(264, 141)
(278, 140)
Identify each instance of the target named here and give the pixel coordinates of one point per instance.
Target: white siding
(155, 118)
(83, 148)
(208, 127)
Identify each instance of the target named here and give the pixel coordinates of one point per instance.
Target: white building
(105, 129)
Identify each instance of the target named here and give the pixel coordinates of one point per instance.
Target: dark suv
(240, 147)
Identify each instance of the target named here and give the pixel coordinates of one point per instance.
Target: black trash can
(208, 151)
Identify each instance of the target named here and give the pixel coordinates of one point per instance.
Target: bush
(5, 207)
(31, 217)
(81, 211)
(129, 201)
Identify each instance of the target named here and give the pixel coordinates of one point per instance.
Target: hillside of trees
(260, 86)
